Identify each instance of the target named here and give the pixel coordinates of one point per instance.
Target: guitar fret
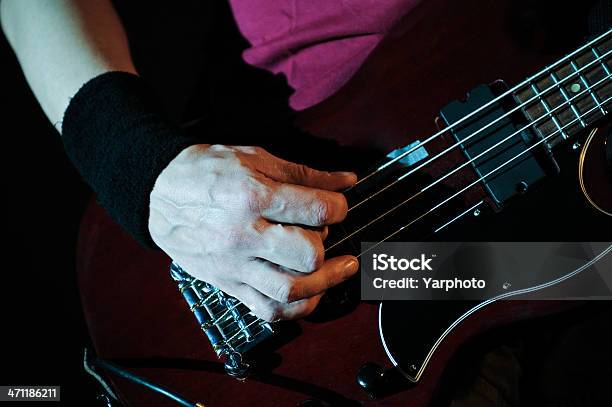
(547, 108)
(585, 83)
(567, 99)
(601, 61)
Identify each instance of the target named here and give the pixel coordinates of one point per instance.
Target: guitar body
(136, 315)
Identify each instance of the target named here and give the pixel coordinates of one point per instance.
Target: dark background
(43, 331)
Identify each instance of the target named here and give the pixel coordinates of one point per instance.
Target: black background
(42, 329)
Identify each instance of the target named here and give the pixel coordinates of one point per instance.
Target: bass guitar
(480, 170)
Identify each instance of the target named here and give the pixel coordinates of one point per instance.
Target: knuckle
(343, 205)
(324, 233)
(270, 312)
(296, 291)
(259, 150)
(331, 280)
(250, 150)
(252, 195)
(312, 257)
(282, 293)
(250, 199)
(231, 241)
(320, 210)
(305, 309)
(301, 171)
(218, 147)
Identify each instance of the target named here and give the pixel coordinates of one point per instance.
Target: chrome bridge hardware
(229, 325)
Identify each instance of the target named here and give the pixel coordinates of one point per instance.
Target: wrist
(117, 138)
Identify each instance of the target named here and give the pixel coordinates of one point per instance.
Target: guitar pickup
(495, 145)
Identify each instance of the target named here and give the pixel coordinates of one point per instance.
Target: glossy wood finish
(137, 318)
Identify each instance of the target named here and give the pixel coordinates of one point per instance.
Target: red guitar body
(137, 317)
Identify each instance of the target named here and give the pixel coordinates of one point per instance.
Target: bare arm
(232, 216)
(61, 44)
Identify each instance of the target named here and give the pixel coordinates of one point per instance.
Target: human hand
(253, 225)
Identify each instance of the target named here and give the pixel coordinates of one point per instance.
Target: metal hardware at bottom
(230, 326)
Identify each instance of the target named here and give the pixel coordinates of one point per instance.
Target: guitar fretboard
(574, 93)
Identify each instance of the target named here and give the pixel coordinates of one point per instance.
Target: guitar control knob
(371, 378)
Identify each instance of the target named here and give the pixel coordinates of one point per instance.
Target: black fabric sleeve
(116, 136)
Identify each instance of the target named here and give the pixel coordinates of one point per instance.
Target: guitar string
(556, 85)
(560, 129)
(464, 164)
(537, 96)
(486, 105)
(449, 127)
(595, 108)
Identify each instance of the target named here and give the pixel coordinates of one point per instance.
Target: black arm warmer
(115, 136)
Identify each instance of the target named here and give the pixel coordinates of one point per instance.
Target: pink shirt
(317, 44)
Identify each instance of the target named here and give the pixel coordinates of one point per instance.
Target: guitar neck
(571, 94)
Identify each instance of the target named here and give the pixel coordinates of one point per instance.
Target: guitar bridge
(229, 325)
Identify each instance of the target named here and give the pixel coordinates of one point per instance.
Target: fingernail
(351, 265)
(345, 173)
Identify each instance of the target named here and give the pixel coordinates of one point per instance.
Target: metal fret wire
(585, 83)
(511, 111)
(259, 322)
(486, 105)
(603, 64)
(463, 165)
(547, 108)
(533, 123)
(481, 179)
(574, 110)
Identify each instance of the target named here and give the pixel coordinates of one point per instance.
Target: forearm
(62, 44)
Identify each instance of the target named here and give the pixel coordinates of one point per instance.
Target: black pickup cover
(521, 172)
